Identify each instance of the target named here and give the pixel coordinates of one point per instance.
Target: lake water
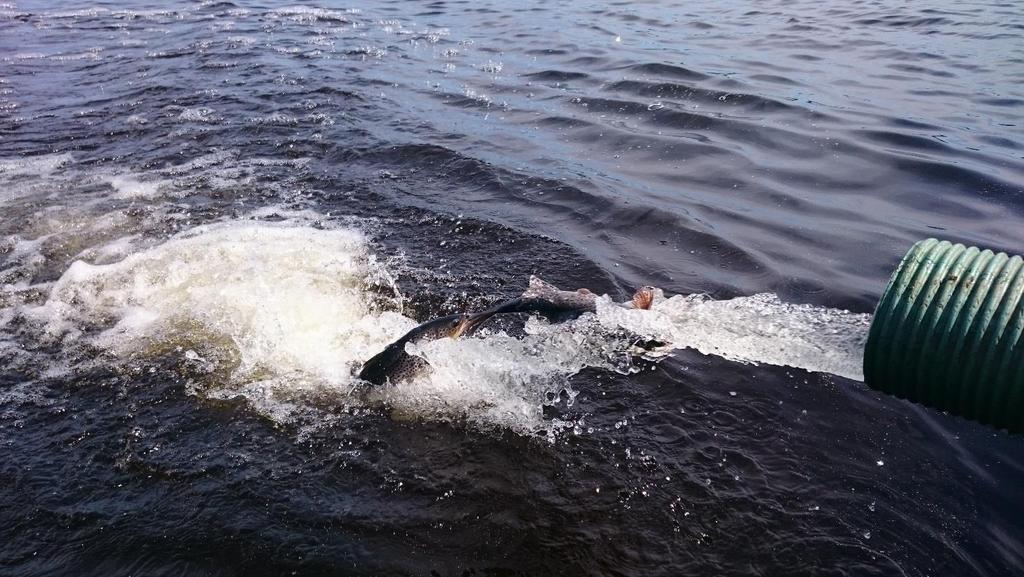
(212, 214)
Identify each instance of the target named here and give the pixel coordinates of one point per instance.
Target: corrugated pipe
(948, 333)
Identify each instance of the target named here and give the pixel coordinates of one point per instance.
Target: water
(212, 214)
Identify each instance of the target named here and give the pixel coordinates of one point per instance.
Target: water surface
(212, 214)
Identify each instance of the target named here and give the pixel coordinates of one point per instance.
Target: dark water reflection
(728, 148)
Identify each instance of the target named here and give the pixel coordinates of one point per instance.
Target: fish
(554, 304)
(394, 364)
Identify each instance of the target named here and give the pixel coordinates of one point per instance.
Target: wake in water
(756, 329)
(283, 315)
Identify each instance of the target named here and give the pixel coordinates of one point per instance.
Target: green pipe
(948, 333)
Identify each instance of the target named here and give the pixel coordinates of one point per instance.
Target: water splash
(282, 315)
(505, 382)
(286, 298)
(755, 329)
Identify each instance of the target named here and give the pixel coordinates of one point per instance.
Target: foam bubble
(33, 165)
(312, 15)
(201, 114)
(499, 381)
(129, 186)
(285, 298)
(755, 329)
(85, 13)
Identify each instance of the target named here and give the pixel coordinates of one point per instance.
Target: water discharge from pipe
(282, 315)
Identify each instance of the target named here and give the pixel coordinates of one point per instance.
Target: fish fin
(538, 287)
(644, 297)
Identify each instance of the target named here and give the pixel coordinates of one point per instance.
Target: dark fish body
(395, 364)
(555, 304)
(554, 311)
(545, 299)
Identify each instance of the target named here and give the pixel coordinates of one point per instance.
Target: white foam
(755, 329)
(283, 307)
(22, 254)
(311, 15)
(33, 165)
(288, 299)
(144, 14)
(282, 315)
(26, 177)
(199, 163)
(276, 118)
(500, 381)
(201, 114)
(503, 382)
(90, 54)
(88, 13)
(129, 186)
